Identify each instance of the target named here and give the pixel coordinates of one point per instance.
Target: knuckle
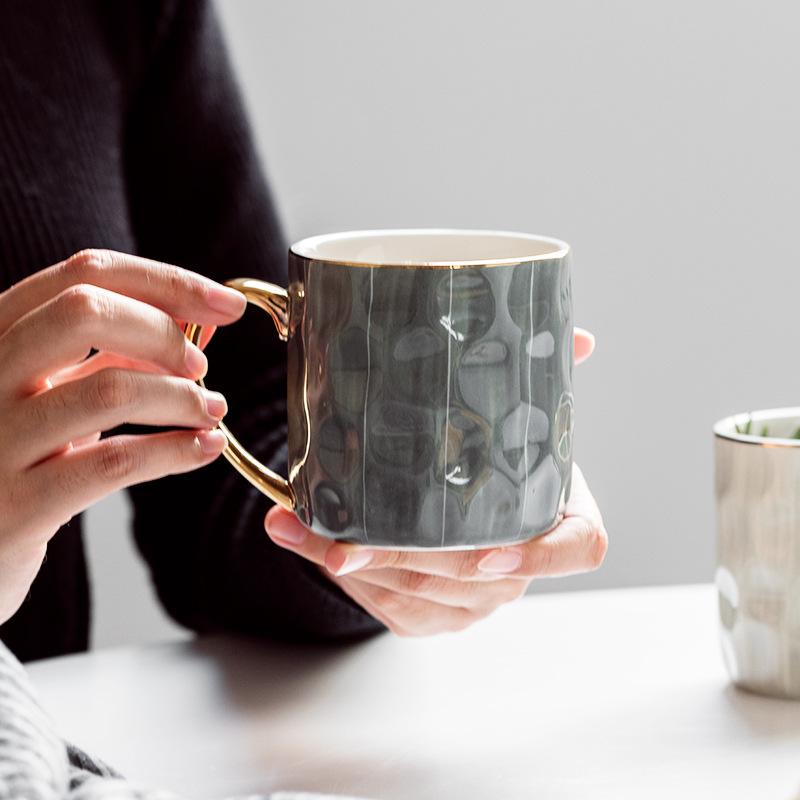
(42, 414)
(177, 282)
(195, 403)
(66, 482)
(188, 451)
(89, 263)
(540, 558)
(391, 603)
(117, 460)
(416, 583)
(111, 388)
(39, 411)
(82, 303)
(394, 559)
(464, 565)
(175, 343)
(597, 545)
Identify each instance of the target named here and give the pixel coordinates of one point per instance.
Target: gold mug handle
(275, 301)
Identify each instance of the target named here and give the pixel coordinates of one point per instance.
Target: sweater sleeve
(198, 199)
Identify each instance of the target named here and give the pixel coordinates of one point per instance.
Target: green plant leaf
(748, 426)
(796, 434)
(765, 431)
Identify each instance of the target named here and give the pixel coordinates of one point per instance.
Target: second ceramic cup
(430, 386)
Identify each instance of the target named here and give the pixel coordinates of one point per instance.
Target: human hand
(417, 593)
(55, 400)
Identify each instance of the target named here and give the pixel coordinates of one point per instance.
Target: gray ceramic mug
(430, 386)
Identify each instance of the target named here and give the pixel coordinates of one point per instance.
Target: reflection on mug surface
(456, 386)
(429, 386)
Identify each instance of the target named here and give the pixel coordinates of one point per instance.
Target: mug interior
(771, 425)
(429, 247)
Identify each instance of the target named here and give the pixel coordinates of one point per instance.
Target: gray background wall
(660, 139)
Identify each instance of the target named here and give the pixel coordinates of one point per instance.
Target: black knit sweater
(121, 127)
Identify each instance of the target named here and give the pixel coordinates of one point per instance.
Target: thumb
(584, 344)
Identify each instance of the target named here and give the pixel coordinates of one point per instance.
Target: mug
(757, 487)
(430, 386)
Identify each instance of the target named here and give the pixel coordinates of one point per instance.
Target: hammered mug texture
(429, 386)
(430, 407)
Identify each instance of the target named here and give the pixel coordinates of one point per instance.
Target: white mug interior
(430, 247)
(780, 423)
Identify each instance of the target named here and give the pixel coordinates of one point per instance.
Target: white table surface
(616, 694)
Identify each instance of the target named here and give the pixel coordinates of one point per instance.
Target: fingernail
(194, 361)
(211, 442)
(355, 559)
(502, 561)
(288, 530)
(226, 301)
(216, 406)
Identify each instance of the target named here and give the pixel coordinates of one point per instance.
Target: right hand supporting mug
(758, 521)
(430, 386)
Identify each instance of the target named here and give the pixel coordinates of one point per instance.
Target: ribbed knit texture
(33, 760)
(121, 127)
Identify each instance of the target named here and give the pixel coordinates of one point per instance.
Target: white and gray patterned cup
(758, 573)
(430, 386)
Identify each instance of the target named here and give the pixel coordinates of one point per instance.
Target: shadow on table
(274, 685)
(764, 716)
(263, 676)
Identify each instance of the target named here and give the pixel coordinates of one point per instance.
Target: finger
(63, 331)
(475, 595)
(178, 292)
(69, 483)
(578, 544)
(340, 559)
(408, 616)
(102, 361)
(584, 344)
(286, 530)
(581, 501)
(105, 400)
(460, 565)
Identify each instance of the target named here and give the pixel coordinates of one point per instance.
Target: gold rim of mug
(722, 428)
(561, 252)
